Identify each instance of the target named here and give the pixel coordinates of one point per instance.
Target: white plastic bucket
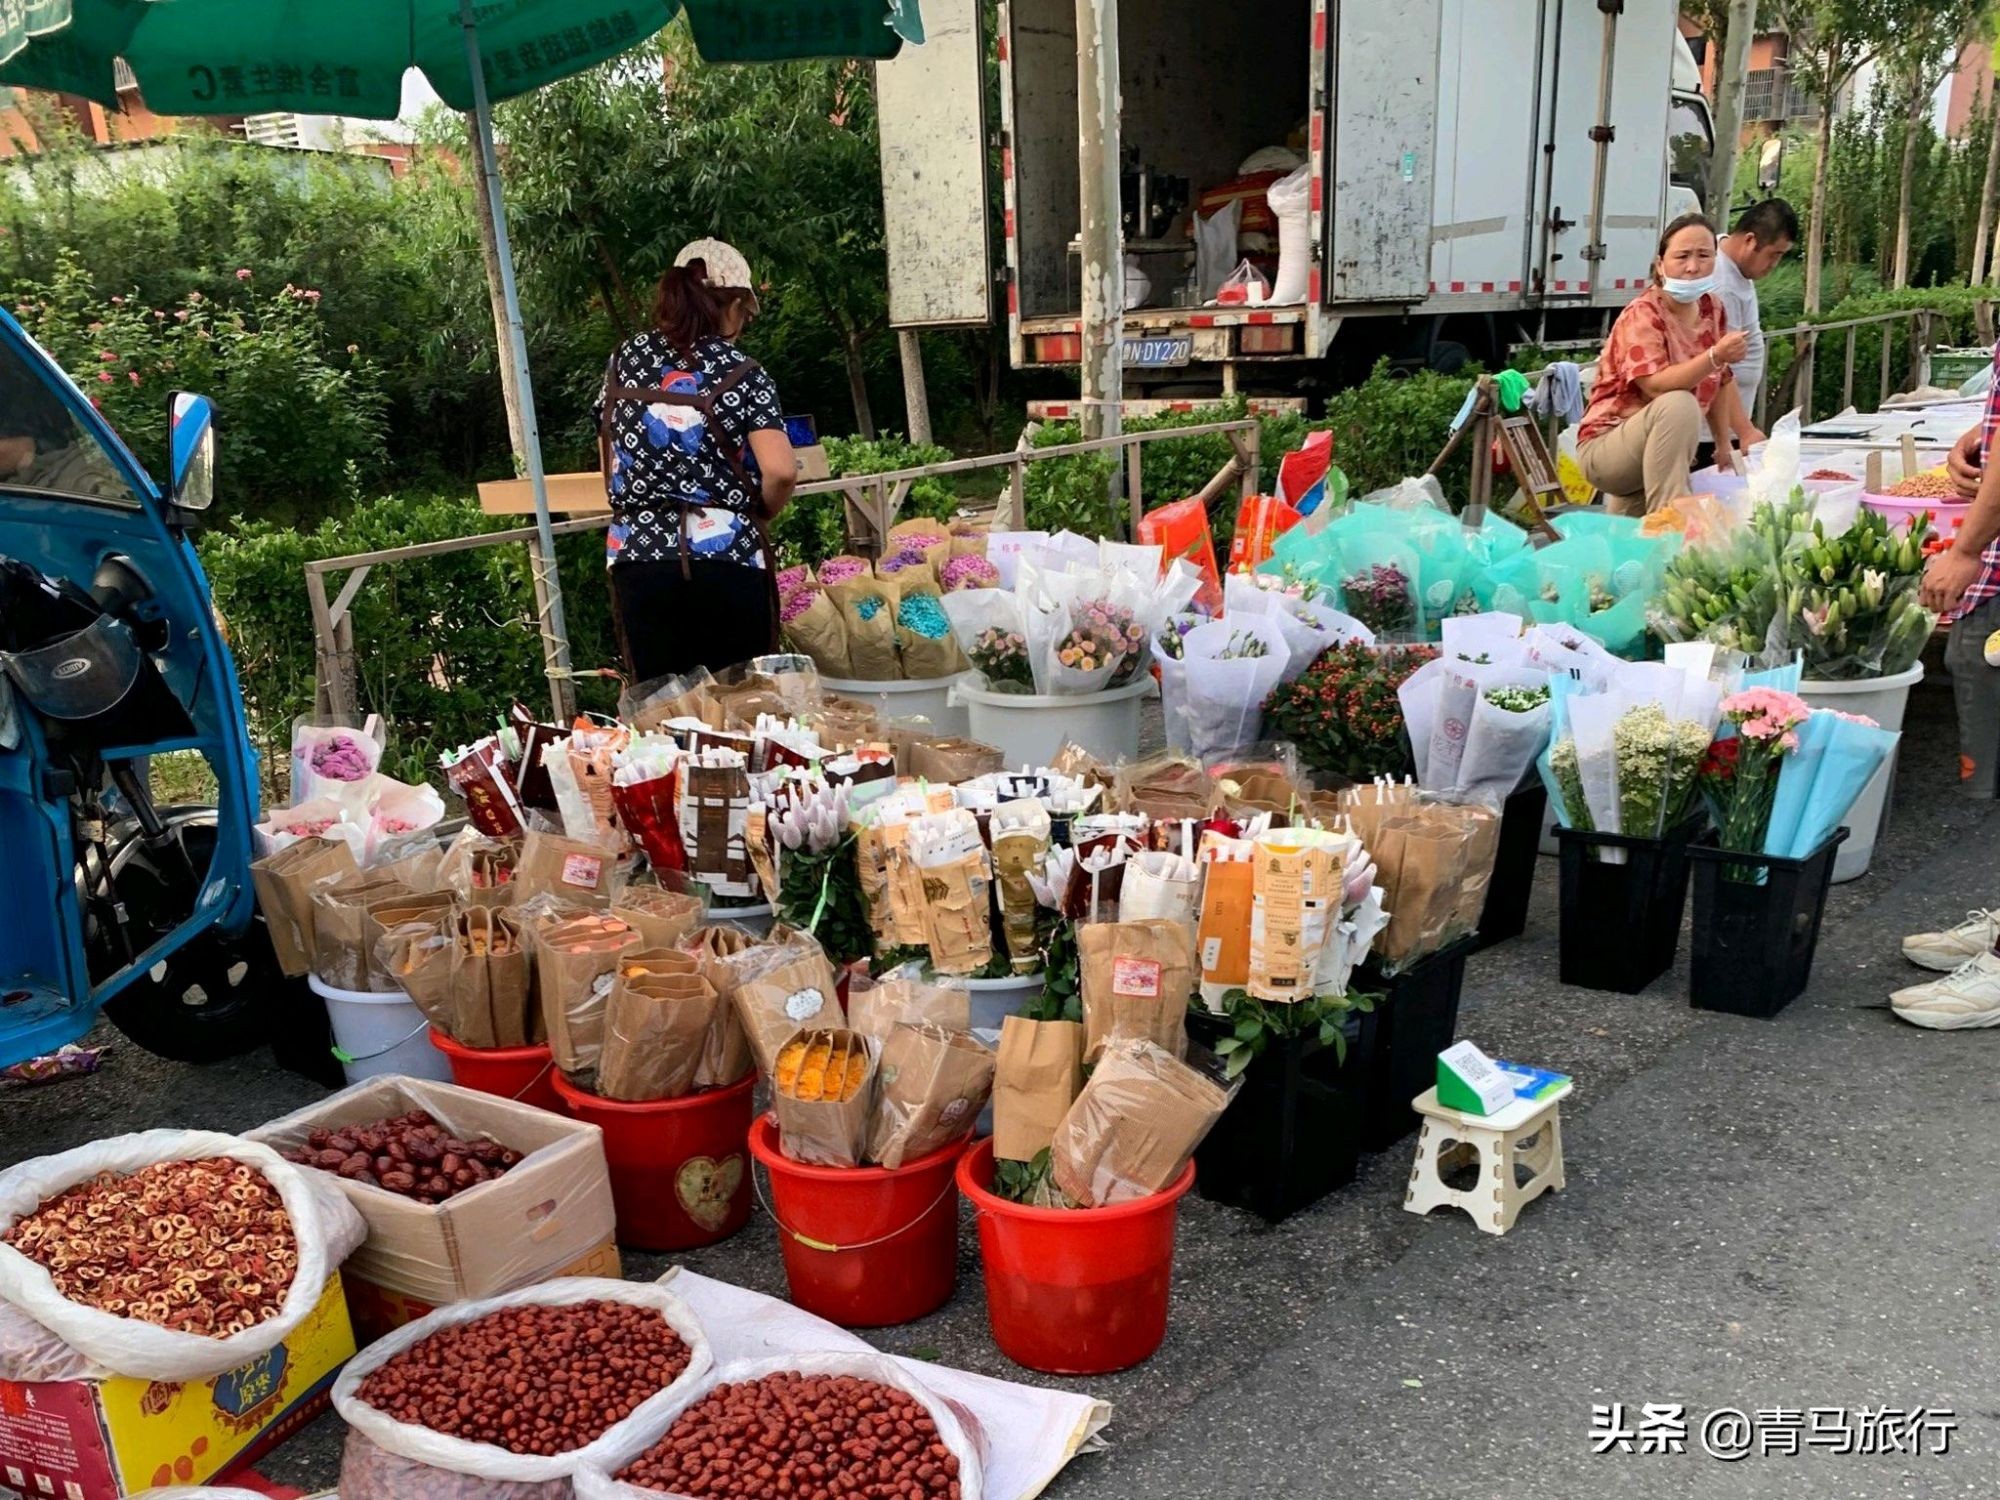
(383, 1033)
(925, 697)
(755, 920)
(1882, 699)
(1028, 728)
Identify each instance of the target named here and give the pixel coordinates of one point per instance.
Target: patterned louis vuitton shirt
(664, 454)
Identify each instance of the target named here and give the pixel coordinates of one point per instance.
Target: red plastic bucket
(864, 1247)
(525, 1074)
(1079, 1291)
(679, 1178)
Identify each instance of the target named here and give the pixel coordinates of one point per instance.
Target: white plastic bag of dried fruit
(386, 1459)
(596, 1478)
(46, 1336)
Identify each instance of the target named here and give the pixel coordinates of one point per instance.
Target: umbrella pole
(542, 552)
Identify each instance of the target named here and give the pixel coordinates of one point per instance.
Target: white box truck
(1478, 175)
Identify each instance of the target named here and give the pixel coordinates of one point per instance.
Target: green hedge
(1953, 325)
(442, 644)
(1387, 428)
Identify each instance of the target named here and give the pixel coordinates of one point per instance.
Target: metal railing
(1797, 386)
(871, 504)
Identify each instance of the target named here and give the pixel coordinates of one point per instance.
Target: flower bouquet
(968, 571)
(1478, 715)
(1001, 657)
(1307, 623)
(1230, 667)
(1087, 657)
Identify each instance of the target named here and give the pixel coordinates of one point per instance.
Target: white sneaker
(1968, 998)
(1945, 951)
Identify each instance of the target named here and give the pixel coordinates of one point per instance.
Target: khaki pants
(1642, 463)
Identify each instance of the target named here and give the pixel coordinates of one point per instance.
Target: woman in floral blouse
(696, 462)
(1664, 371)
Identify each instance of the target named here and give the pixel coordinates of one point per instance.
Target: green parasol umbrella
(348, 57)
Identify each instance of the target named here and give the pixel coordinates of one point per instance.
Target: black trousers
(719, 615)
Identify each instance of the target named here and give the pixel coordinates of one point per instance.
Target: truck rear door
(1636, 163)
(932, 106)
(1383, 63)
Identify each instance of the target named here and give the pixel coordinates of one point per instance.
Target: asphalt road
(1797, 1213)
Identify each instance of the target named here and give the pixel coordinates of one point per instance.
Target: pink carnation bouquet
(797, 603)
(791, 580)
(1744, 786)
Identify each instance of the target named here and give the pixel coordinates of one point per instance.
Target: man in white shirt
(1763, 236)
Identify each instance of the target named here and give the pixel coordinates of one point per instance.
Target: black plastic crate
(1621, 923)
(301, 1034)
(1415, 1018)
(1292, 1134)
(1505, 914)
(1754, 938)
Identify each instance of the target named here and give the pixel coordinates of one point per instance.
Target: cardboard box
(569, 495)
(102, 1439)
(377, 1310)
(545, 1215)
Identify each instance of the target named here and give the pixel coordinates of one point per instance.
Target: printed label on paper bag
(583, 871)
(1211, 952)
(1136, 976)
(803, 1005)
(601, 985)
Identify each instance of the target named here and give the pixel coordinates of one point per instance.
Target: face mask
(1683, 290)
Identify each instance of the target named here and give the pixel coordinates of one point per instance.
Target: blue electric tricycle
(110, 653)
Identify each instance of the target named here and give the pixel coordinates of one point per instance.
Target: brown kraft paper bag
(1420, 861)
(1288, 918)
(480, 870)
(285, 883)
(662, 917)
(431, 909)
(821, 633)
(576, 963)
(1036, 1077)
(1020, 833)
(655, 1027)
(927, 658)
(871, 643)
(1137, 977)
(570, 870)
(950, 862)
(1132, 1129)
(950, 761)
(889, 1003)
(930, 1085)
(726, 1057)
(823, 1092)
(341, 941)
(1482, 847)
(714, 819)
(783, 987)
(492, 980)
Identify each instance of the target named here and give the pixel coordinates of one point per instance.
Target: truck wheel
(206, 1002)
(211, 998)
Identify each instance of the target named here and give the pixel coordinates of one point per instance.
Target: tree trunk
(857, 383)
(1982, 240)
(1730, 78)
(1816, 216)
(489, 254)
(916, 395)
(1905, 185)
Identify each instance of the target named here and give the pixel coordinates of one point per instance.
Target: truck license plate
(1159, 353)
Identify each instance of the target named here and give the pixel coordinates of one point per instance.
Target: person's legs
(1976, 688)
(1673, 422)
(716, 617)
(1614, 462)
(1642, 463)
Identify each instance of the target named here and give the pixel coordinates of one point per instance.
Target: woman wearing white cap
(696, 462)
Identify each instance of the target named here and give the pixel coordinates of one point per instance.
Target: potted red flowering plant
(1343, 714)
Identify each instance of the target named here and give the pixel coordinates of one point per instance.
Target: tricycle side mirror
(191, 441)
